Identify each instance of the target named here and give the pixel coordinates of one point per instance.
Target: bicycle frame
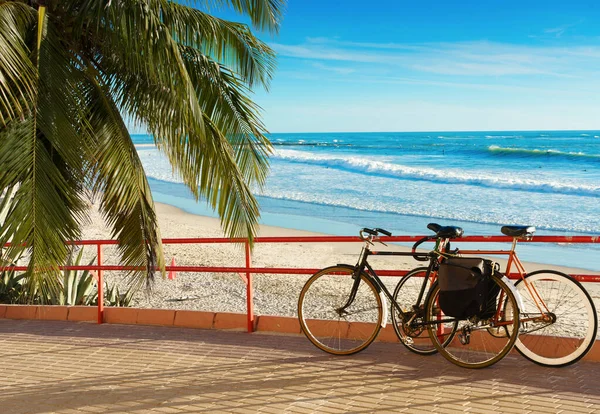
(435, 256)
(362, 264)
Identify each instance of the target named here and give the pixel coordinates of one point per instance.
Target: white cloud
(336, 69)
(477, 85)
(427, 116)
(480, 58)
(560, 30)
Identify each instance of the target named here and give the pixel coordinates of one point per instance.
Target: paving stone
(76, 367)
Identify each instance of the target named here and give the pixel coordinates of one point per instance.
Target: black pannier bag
(466, 287)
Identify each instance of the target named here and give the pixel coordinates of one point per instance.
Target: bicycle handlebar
(368, 235)
(372, 233)
(421, 257)
(382, 231)
(449, 232)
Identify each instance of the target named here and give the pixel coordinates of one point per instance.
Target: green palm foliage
(72, 70)
(11, 286)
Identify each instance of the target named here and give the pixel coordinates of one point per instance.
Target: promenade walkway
(70, 367)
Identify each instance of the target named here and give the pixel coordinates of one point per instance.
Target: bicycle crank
(465, 336)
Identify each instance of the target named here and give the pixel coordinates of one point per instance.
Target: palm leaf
(264, 14)
(44, 156)
(183, 73)
(224, 99)
(223, 185)
(119, 178)
(162, 105)
(17, 72)
(229, 43)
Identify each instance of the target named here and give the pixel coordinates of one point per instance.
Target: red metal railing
(247, 271)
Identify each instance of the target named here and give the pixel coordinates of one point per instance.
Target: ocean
(337, 183)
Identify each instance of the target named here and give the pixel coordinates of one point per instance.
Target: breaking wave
(368, 166)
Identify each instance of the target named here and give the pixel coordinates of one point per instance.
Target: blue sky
(434, 66)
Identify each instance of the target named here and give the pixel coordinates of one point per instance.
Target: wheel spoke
(330, 321)
(571, 334)
(478, 343)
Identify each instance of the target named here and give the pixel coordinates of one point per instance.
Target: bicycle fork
(341, 311)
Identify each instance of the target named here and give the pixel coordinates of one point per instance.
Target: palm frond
(43, 156)
(264, 14)
(184, 74)
(136, 42)
(207, 167)
(17, 72)
(207, 162)
(229, 43)
(119, 178)
(224, 98)
(227, 191)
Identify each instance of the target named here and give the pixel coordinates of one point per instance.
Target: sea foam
(527, 152)
(369, 166)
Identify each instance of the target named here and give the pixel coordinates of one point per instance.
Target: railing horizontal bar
(351, 239)
(208, 269)
(355, 239)
(490, 252)
(263, 270)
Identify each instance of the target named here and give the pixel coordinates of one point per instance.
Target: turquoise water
(338, 182)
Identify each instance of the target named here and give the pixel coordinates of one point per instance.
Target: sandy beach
(273, 294)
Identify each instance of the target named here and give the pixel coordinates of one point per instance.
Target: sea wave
(406, 209)
(369, 166)
(303, 143)
(526, 152)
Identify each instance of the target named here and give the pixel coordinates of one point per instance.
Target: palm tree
(71, 71)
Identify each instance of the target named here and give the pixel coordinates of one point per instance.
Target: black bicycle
(342, 308)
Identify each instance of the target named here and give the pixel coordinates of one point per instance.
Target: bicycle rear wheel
(568, 332)
(326, 320)
(411, 329)
(478, 343)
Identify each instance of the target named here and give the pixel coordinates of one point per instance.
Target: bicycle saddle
(518, 231)
(446, 232)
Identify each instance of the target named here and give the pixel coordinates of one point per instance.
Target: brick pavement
(70, 367)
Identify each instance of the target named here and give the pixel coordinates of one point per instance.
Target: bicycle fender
(384, 304)
(514, 290)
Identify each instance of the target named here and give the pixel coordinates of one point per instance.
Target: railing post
(100, 287)
(249, 292)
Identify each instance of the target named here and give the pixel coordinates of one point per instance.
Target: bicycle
(410, 292)
(342, 308)
(558, 317)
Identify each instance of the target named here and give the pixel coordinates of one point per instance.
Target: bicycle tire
(473, 346)
(412, 332)
(575, 325)
(319, 311)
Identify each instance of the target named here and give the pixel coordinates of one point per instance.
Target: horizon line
(418, 131)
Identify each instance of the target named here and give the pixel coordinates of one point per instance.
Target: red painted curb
(82, 314)
(194, 319)
(280, 324)
(53, 313)
(163, 317)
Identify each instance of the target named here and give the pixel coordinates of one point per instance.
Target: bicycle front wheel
(480, 341)
(338, 315)
(410, 327)
(558, 319)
